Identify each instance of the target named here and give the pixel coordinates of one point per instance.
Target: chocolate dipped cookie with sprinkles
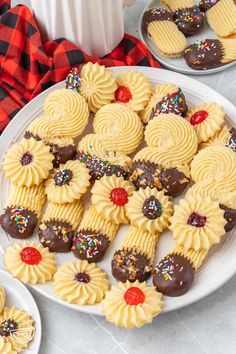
(22, 211)
(189, 20)
(210, 53)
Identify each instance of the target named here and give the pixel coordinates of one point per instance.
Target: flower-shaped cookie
(198, 223)
(80, 283)
(131, 304)
(110, 195)
(30, 262)
(28, 162)
(206, 119)
(68, 183)
(149, 210)
(16, 329)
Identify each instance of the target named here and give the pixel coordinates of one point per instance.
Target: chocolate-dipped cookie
(231, 143)
(62, 153)
(149, 174)
(18, 222)
(56, 235)
(156, 14)
(230, 216)
(189, 20)
(173, 275)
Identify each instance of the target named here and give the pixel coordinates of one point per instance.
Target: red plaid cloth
(29, 66)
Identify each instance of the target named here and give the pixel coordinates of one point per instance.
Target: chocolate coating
(174, 275)
(231, 143)
(62, 154)
(156, 14)
(18, 222)
(152, 208)
(207, 4)
(29, 135)
(148, 174)
(230, 216)
(56, 235)
(171, 103)
(90, 245)
(203, 55)
(98, 168)
(8, 327)
(130, 266)
(189, 20)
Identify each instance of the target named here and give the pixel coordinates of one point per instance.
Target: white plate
(18, 295)
(216, 270)
(179, 64)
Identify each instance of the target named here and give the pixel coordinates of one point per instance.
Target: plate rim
(161, 59)
(228, 106)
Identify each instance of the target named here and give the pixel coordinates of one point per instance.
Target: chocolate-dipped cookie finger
(58, 224)
(210, 53)
(22, 211)
(93, 237)
(159, 24)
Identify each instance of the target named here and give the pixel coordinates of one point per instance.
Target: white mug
(97, 26)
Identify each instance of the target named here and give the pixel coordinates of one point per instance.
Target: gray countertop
(208, 326)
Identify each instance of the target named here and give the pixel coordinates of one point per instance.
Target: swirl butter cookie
(16, 330)
(131, 304)
(210, 53)
(110, 196)
(94, 82)
(28, 162)
(213, 162)
(67, 183)
(80, 283)
(134, 90)
(206, 119)
(94, 236)
(159, 24)
(221, 16)
(198, 223)
(29, 262)
(58, 225)
(22, 211)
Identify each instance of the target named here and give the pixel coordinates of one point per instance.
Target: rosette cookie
(94, 82)
(148, 171)
(159, 24)
(221, 16)
(16, 329)
(58, 224)
(198, 223)
(68, 183)
(210, 53)
(131, 304)
(29, 262)
(80, 283)
(22, 211)
(28, 162)
(110, 196)
(214, 162)
(206, 119)
(135, 255)
(134, 90)
(149, 210)
(93, 236)
(173, 138)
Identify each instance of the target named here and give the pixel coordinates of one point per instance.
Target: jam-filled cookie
(80, 283)
(131, 304)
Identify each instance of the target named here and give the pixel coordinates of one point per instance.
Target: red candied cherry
(134, 296)
(197, 220)
(119, 196)
(198, 117)
(123, 94)
(31, 256)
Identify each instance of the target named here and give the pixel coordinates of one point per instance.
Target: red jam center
(82, 278)
(31, 256)
(123, 94)
(134, 296)
(198, 117)
(119, 196)
(197, 220)
(26, 159)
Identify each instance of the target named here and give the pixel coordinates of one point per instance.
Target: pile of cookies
(52, 167)
(16, 327)
(168, 27)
